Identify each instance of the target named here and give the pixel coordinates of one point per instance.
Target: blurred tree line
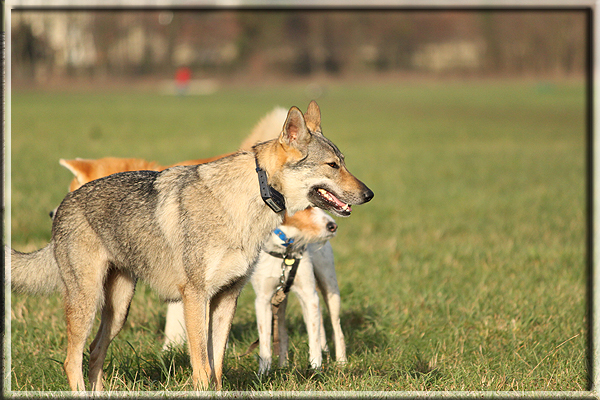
(45, 44)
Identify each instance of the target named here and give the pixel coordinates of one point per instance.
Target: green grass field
(465, 273)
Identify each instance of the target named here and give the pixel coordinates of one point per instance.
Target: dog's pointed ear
(79, 167)
(313, 117)
(295, 133)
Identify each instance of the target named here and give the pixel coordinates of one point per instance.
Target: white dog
(306, 234)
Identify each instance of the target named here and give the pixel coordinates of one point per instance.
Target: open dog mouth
(326, 200)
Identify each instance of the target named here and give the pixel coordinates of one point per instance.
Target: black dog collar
(270, 196)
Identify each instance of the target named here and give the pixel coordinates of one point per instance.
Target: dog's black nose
(368, 195)
(331, 226)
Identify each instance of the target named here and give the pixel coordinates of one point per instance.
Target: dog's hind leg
(79, 323)
(222, 309)
(333, 301)
(81, 299)
(327, 280)
(322, 334)
(119, 288)
(196, 308)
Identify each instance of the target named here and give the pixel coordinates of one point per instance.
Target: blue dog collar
(283, 237)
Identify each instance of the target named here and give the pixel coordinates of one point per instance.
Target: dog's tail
(269, 127)
(35, 273)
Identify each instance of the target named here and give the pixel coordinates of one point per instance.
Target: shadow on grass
(241, 378)
(147, 369)
(423, 370)
(363, 330)
(242, 332)
(368, 341)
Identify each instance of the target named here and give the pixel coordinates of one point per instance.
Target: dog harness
(289, 260)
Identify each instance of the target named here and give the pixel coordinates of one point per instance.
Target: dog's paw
(264, 365)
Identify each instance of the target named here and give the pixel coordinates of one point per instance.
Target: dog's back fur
(86, 170)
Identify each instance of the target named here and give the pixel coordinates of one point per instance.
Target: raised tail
(35, 273)
(269, 127)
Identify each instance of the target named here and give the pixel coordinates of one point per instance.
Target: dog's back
(86, 170)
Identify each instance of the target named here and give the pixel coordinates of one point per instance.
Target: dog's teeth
(325, 194)
(332, 199)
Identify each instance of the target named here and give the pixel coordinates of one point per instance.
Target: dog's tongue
(339, 204)
(343, 206)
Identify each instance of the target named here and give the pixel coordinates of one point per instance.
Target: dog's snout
(331, 226)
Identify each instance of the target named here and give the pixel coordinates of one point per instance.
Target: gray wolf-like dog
(303, 237)
(193, 233)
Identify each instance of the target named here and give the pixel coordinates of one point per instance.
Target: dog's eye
(333, 165)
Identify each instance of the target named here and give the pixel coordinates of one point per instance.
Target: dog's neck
(237, 197)
(279, 243)
(268, 158)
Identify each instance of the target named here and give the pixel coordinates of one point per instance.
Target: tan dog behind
(86, 170)
(193, 233)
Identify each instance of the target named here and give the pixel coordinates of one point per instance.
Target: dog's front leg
(264, 316)
(175, 334)
(309, 300)
(333, 304)
(195, 307)
(222, 309)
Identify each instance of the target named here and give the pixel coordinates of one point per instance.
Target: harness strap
(250, 348)
(290, 259)
(290, 279)
(280, 296)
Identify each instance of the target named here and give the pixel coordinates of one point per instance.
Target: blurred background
(467, 271)
(219, 46)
